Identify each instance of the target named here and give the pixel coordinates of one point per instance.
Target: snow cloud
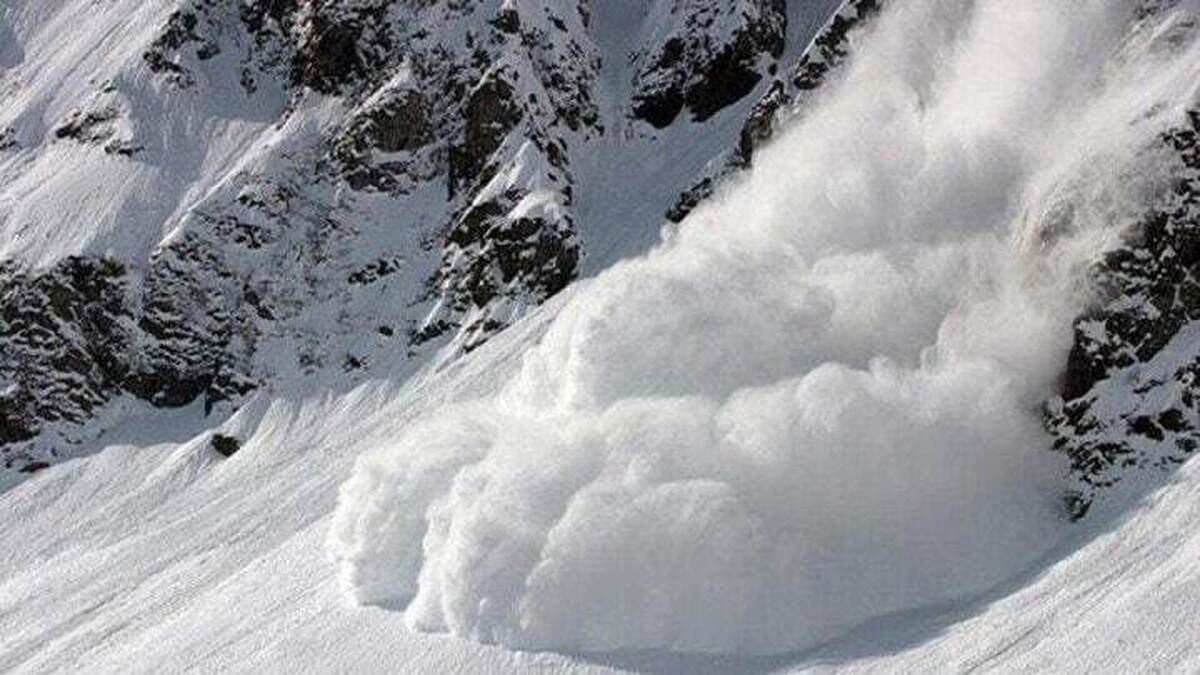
(818, 400)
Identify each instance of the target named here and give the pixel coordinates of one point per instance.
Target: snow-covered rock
(310, 189)
(251, 251)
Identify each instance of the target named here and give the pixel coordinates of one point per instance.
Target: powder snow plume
(817, 401)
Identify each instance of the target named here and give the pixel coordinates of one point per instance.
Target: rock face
(66, 332)
(78, 335)
(706, 56)
(358, 184)
(785, 97)
(347, 184)
(1131, 392)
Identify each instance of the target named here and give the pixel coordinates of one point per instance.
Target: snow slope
(782, 431)
(819, 401)
(162, 557)
(253, 193)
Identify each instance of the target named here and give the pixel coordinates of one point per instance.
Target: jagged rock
(477, 113)
(402, 124)
(65, 336)
(1140, 336)
(192, 331)
(89, 127)
(75, 336)
(327, 54)
(831, 48)
(784, 99)
(375, 271)
(709, 59)
(491, 113)
(179, 32)
(505, 251)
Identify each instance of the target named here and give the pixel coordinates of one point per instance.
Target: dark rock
(831, 48)
(1148, 294)
(327, 55)
(507, 21)
(827, 54)
(402, 124)
(691, 70)
(227, 446)
(64, 343)
(375, 271)
(88, 127)
(491, 113)
(181, 29)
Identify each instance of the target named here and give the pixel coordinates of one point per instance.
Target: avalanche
(803, 433)
(817, 402)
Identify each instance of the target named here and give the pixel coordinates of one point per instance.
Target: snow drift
(818, 401)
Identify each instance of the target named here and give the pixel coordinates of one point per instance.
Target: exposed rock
(181, 31)
(65, 336)
(77, 335)
(491, 113)
(194, 336)
(508, 251)
(832, 47)
(480, 110)
(89, 127)
(1142, 336)
(709, 59)
(785, 98)
(227, 446)
(375, 271)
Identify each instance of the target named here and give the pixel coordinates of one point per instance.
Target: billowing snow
(815, 405)
(818, 401)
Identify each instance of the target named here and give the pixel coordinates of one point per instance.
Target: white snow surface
(61, 199)
(813, 407)
(817, 402)
(156, 557)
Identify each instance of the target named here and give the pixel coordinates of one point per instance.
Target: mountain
(206, 199)
(653, 336)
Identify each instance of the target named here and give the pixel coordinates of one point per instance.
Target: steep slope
(817, 402)
(796, 416)
(205, 198)
(157, 557)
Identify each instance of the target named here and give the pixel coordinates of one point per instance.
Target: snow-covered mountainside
(205, 198)
(348, 336)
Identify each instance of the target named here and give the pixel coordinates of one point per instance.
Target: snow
(629, 177)
(59, 197)
(816, 404)
(162, 558)
(805, 425)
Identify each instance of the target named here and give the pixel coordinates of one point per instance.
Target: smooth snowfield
(818, 401)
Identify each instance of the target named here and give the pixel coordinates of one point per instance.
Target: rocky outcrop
(183, 30)
(194, 339)
(74, 337)
(707, 56)
(434, 204)
(64, 340)
(1131, 391)
(785, 98)
(508, 251)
